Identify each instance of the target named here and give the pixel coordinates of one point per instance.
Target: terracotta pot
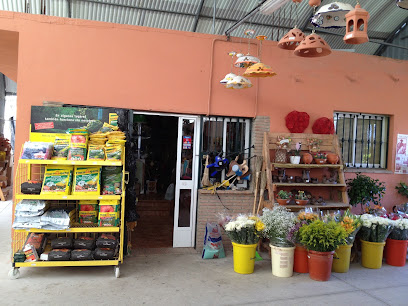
(320, 265)
(332, 158)
(320, 160)
(283, 201)
(301, 202)
(307, 158)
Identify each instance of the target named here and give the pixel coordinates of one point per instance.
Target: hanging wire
(314, 13)
(279, 24)
(297, 14)
(273, 24)
(290, 15)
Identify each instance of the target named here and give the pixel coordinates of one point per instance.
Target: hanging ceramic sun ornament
(356, 29)
(244, 61)
(332, 15)
(293, 38)
(313, 45)
(259, 70)
(230, 75)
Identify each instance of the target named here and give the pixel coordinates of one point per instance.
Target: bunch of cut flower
(304, 217)
(244, 229)
(374, 228)
(350, 222)
(308, 214)
(278, 222)
(400, 229)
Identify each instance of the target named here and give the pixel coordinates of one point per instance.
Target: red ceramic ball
(297, 122)
(323, 125)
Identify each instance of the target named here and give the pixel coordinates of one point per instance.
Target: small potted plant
(283, 197)
(301, 198)
(295, 154)
(321, 239)
(320, 158)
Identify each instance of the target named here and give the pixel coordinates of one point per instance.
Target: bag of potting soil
(59, 255)
(88, 217)
(84, 243)
(62, 243)
(96, 152)
(61, 147)
(78, 145)
(113, 153)
(213, 247)
(87, 180)
(108, 219)
(38, 241)
(57, 180)
(107, 241)
(111, 180)
(81, 254)
(104, 253)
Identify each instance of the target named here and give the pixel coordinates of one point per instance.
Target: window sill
(203, 191)
(367, 170)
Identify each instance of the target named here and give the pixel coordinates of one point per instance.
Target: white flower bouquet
(244, 229)
(400, 230)
(278, 222)
(375, 229)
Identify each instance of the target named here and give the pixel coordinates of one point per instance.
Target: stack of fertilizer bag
(28, 214)
(57, 218)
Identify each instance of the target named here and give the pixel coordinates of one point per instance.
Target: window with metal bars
(226, 137)
(363, 139)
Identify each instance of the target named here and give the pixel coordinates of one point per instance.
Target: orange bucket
(300, 262)
(396, 252)
(320, 265)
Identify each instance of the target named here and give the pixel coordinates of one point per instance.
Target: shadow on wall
(9, 54)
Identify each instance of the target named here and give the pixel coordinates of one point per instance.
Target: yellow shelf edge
(113, 262)
(70, 162)
(107, 229)
(66, 197)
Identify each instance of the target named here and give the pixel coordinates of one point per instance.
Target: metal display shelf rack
(29, 169)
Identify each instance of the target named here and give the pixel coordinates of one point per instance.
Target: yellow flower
(259, 226)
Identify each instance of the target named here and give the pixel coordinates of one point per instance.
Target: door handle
(126, 177)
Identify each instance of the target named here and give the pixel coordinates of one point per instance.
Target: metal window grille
(363, 139)
(224, 137)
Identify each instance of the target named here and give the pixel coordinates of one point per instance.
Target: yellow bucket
(372, 254)
(341, 259)
(244, 257)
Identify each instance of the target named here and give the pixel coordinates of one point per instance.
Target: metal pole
(214, 11)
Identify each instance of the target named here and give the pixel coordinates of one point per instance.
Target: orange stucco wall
(105, 64)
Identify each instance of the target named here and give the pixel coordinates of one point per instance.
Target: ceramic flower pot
(320, 160)
(307, 158)
(332, 158)
(283, 201)
(301, 202)
(295, 159)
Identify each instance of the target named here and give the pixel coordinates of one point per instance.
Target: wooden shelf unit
(330, 143)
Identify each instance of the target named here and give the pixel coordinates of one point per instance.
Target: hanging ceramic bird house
(356, 28)
(291, 40)
(332, 15)
(313, 46)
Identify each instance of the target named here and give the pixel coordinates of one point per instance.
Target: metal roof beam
(243, 19)
(197, 17)
(390, 38)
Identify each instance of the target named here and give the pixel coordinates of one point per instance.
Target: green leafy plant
(297, 150)
(284, 195)
(301, 195)
(364, 190)
(322, 237)
(402, 189)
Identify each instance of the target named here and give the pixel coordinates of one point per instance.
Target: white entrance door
(186, 182)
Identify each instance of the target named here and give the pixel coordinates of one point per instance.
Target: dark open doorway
(157, 143)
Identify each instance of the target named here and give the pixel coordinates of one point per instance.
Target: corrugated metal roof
(186, 15)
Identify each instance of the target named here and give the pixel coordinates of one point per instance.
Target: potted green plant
(278, 222)
(321, 239)
(301, 198)
(320, 158)
(295, 154)
(283, 197)
(244, 232)
(364, 190)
